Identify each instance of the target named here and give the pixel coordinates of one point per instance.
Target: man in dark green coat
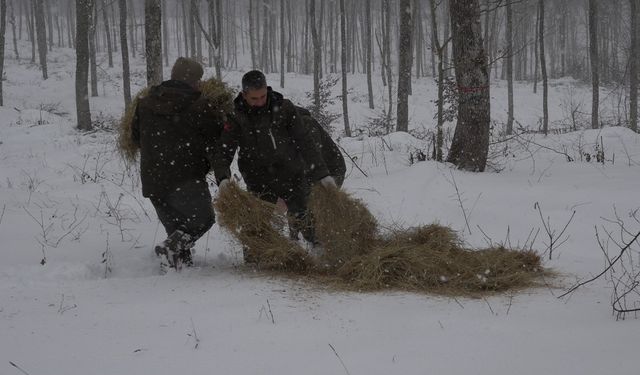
(176, 128)
(278, 154)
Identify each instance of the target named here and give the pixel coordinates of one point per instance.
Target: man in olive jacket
(176, 128)
(278, 156)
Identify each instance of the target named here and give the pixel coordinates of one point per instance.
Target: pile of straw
(254, 223)
(431, 259)
(215, 90)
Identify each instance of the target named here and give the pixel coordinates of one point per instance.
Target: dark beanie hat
(252, 80)
(186, 70)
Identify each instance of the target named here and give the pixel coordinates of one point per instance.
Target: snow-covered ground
(81, 292)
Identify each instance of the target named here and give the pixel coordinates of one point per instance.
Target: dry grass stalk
(256, 225)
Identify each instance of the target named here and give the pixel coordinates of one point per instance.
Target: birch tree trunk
(470, 144)
(83, 111)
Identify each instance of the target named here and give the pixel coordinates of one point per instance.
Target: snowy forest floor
(81, 292)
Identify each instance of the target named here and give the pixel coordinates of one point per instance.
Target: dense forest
(462, 44)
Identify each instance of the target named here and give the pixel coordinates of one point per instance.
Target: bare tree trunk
(251, 36)
(219, 37)
(165, 32)
(12, 20)
(439, 50)
(387, 56)
(3, 28)
(633, 68)
(132, 28)
(470, 144)
(193, 9)
(216, 38)
(83, 17)
(72, 26)
(343, 63)
(404, 64)
(41, 35)
(107, 30)
(509, 62)
(186, 20)
(369, 51)
(153, 44)
(317, 55)
(31, 32)
(282, 45)
(124, 49)
(537, 50)
(264, 59)
(595, 61)
(93, 18)
(543, 71)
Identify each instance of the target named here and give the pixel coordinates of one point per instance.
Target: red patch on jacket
(227, 127)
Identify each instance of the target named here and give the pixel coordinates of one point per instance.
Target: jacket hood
(171, 97)
(274, 99)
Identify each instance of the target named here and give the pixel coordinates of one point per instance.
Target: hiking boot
(170, 258)
(176, 250)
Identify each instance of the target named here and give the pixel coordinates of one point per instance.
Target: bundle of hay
(127, 148)
(431, 258)
(344, 226)
(256, 225)
(215, 90)
(219, 93)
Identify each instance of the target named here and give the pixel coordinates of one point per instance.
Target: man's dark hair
(253, 80)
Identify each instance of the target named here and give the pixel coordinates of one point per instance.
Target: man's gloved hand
(328, 182)
(224, 184)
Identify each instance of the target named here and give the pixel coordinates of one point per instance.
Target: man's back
(176, 128)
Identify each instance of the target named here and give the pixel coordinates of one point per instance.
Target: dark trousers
(189, 209)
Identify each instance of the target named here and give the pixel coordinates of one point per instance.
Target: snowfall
(81, 291)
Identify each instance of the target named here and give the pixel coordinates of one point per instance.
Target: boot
(176, 249)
